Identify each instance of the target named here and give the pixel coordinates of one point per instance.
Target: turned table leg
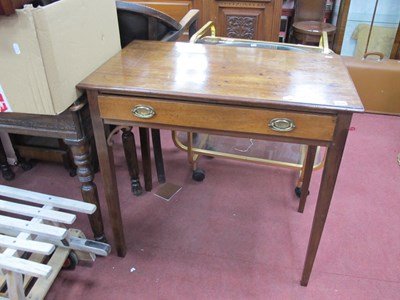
(129, 144)
(80, 152)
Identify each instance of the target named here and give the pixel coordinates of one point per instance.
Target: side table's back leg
(155, 136)
(146, 158)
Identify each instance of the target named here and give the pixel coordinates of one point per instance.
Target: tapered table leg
(107, 168)
(328, 181)
(308, 168)
(146, 158)
(158, 157)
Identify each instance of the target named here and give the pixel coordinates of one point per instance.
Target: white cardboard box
(46, 51)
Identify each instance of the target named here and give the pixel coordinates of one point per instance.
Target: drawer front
(189, 115)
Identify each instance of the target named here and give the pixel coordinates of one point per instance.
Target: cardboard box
(46, 51)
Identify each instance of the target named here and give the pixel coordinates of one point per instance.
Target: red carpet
(237, 234)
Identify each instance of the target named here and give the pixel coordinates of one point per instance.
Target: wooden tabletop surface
(229, 75)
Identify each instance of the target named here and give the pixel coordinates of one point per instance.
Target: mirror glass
(371, 27)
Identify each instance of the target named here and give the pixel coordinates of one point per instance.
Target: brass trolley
(279, 154)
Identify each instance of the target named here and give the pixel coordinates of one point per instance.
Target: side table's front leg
(107, 167)
(328, 181)
(81, 154)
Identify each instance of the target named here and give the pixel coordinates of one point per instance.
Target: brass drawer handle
(143, 111)
(282, 125)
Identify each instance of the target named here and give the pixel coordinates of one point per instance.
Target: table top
(228, 75)
(315, 27)
(73, 123)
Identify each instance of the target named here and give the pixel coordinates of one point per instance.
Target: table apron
(216, 117)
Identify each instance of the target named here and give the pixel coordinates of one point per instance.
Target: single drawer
(221, 118)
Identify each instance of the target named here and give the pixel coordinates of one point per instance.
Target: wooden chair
(308, 23)
(141, 22)
(137, 21)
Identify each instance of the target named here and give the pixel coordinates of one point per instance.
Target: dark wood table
(304, 98)
(74, 127)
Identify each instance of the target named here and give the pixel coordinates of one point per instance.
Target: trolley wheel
(297, 191)
(198, 175)
(71, 261)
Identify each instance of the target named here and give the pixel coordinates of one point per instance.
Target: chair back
(36, 3)
(309, 10)
(137, 21)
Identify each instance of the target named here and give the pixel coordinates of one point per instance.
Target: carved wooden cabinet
(246, 19)
(256, 20)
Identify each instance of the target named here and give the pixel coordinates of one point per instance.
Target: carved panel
(243, 27)
(242, 4)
